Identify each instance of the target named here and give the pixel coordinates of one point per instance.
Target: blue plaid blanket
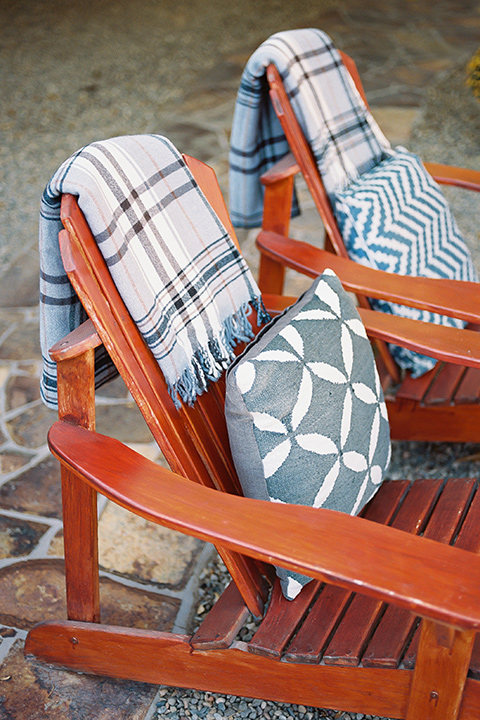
(178, 271)
(344, 138)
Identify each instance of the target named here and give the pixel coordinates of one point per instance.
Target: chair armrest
(282, 169)
(451, 175)
(445, 343)
(448, 297)
(379, 561)
(453, 345)
(77, 342)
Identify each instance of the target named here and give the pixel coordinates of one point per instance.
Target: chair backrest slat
(194, 439)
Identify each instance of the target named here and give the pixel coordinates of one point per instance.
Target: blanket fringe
(208, 364)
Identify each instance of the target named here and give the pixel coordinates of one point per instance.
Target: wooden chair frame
(396, 560)
(443, 404)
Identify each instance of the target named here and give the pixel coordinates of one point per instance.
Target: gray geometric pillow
(305, 412)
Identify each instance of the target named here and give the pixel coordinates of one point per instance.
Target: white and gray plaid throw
(344, 138)
(178, 271)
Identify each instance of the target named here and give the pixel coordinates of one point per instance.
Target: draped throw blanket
(178, 271)
(344, 138)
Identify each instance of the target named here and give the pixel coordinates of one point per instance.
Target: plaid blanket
(344, 138)
(178, 271)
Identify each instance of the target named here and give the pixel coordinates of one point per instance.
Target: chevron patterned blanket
(345, 139)
(178, 271)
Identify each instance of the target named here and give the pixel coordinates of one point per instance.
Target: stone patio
(172, 68)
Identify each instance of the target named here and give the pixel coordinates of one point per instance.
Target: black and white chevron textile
(396, 218)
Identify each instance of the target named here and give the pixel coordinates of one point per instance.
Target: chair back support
(309, 169)
(303, 154)
(194, 439)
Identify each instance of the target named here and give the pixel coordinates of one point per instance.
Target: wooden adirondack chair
(360, 646)
(443, 404)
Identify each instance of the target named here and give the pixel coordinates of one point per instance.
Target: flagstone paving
(73, 76)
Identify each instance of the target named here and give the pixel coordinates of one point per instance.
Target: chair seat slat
(469, 388)
(311, 638)
(347, 645)
(223, 622)
(442, 389)
(469, 535)
(468, 539)
(415, 389)
(284, 617)
(392, 636)
(281, 620)
(397, 626)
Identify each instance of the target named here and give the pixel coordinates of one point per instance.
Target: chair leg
(81, 548)
(277, 210)
(277, 206)
(76, 404)
(271, 276)
(440, 672)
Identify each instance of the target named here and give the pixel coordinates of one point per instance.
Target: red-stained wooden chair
(352, 639)
(443, 404)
